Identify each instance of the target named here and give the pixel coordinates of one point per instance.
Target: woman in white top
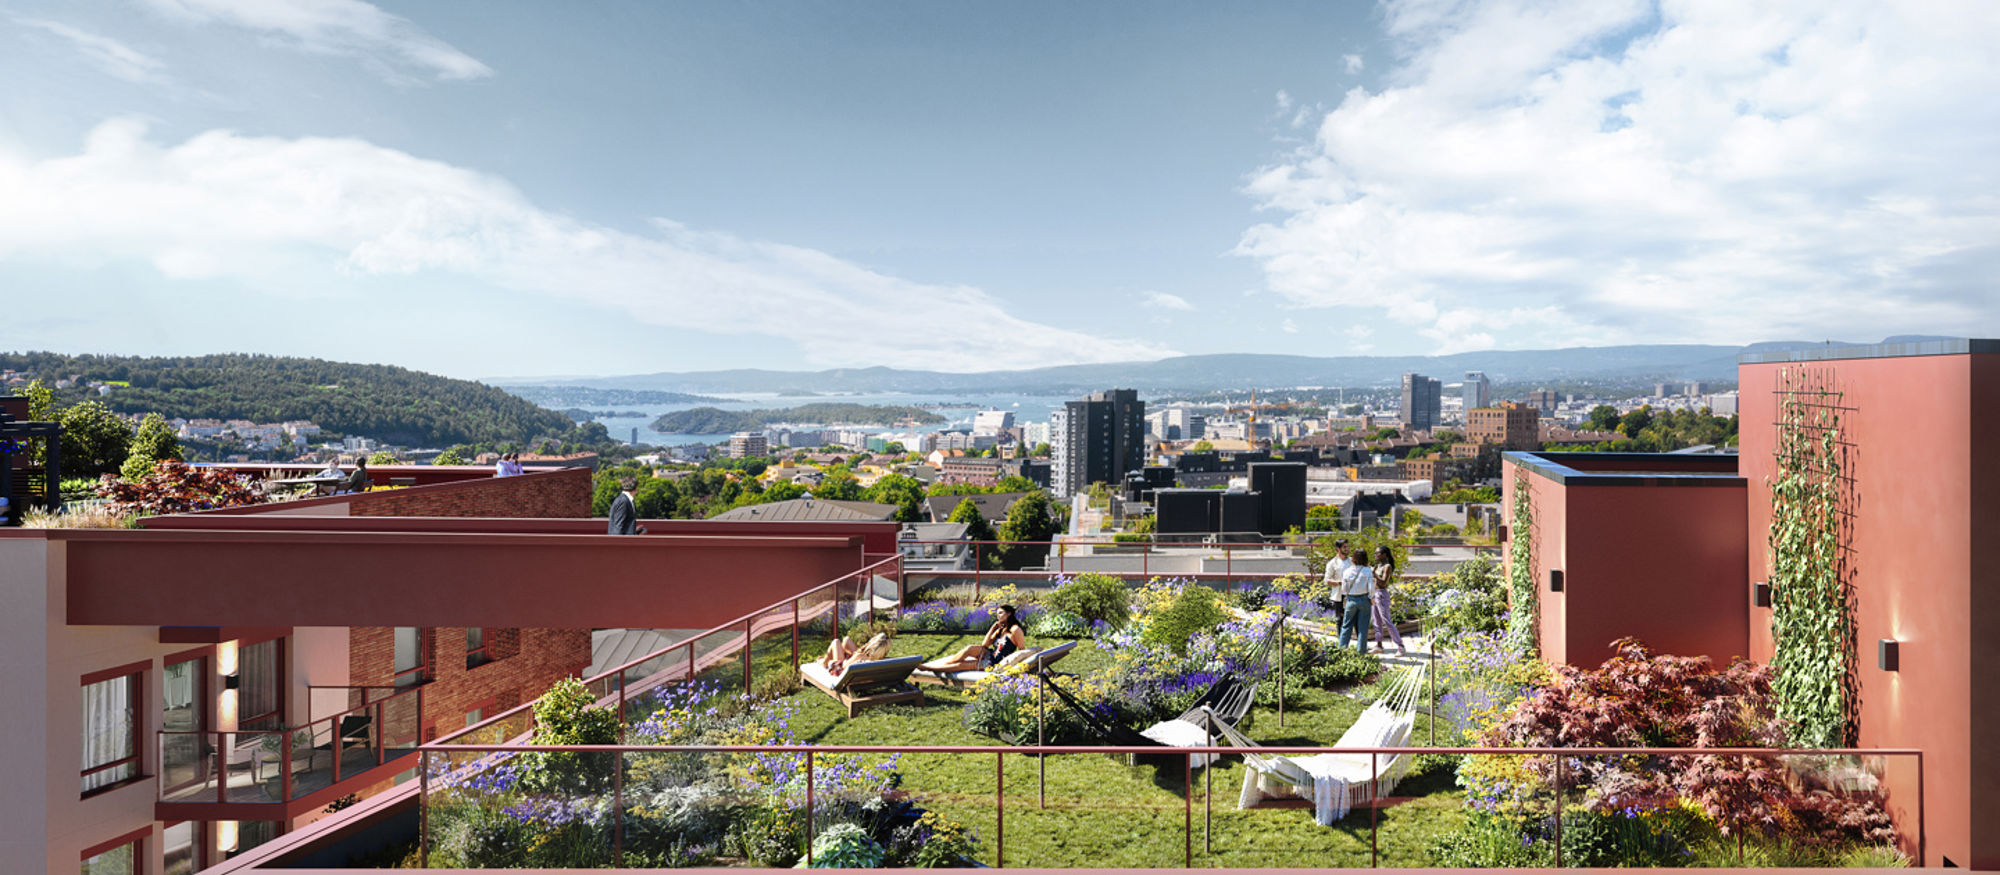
(1357, 584)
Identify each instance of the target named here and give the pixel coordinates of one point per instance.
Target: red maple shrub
(1639, 699)
(173, 487)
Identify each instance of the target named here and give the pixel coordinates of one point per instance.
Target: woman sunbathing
(1004, 637)
(840, 653)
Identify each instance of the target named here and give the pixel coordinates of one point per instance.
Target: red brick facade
(523, 662)
(563, 493)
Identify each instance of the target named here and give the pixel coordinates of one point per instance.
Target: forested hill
(392, 404)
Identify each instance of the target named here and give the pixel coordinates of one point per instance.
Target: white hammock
(1337, 782)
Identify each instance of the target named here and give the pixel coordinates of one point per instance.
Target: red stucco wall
(1922, 565)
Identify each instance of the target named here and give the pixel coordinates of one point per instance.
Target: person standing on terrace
(1357, 585)
(1337, 566)
(1383, 620)
(624, 515)
(1002, 638)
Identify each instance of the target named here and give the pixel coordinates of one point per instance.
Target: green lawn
(1100, 812)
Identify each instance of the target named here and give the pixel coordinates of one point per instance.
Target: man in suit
(624, 515)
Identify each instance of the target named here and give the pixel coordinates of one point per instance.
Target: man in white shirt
(1338, 565)
(1357, 590)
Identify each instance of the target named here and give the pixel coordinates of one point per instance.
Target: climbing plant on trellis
(1524, 617)
(1812, 605)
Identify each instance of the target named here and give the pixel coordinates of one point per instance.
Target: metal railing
(271, 766)
(762, 649)
(449, 775)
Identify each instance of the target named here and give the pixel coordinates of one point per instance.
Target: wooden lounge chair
(1036, 661)
(867, 684)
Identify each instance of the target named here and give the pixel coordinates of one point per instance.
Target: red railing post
(795, 632)
(423, 807)
(1374, 810)
(1559, 818)
(809, 808)
(618, 809)
(1187, 811)
(1921, 837)
(999, 811)
(977, 566)
(285, 763)
(748, 634)
(223, 751)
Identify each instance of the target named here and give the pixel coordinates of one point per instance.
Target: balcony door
(183, 717)
(260, 701)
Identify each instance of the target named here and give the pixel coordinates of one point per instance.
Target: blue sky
(529, 188)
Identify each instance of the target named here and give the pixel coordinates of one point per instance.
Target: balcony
(278, 774)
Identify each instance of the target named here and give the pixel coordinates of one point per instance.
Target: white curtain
(108, 730)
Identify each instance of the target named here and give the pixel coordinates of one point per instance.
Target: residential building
(1543, 400)
(809, 509)
(748, 444)
(1420, 402)
(1477, 391)
(1097, 440)
(1512, 425)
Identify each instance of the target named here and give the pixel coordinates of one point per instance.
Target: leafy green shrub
(677, 826)
(1093, 597)
(1471, 597)
(843, 846)
(1330, 668)
(1194, 609)
(484, 839)
(1488, 841)
(771, 835)
(1618, 838)
(564, 716)
(933, 842)
(1059, 624)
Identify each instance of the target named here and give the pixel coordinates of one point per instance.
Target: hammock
(1336, 783)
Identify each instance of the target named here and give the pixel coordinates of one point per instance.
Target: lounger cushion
(1018, 657)
(1180, 733)
(818, 673)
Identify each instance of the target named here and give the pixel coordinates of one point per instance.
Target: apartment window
(181, 846)
(260, 697)
(111, 728)
(410, 662)
(120, 856)
(478, 648)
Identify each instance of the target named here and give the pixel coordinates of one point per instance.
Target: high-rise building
(1478, 391)
(1421, 401)
(1097, 440)
(1544, 401)
(748, 444)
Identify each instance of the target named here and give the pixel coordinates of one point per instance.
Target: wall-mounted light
(1555, 580)
(225, 658)
(232, 681)
(225, 836)
(1886, 656)
(1760, 594)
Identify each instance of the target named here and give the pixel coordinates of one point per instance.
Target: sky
(523, 188)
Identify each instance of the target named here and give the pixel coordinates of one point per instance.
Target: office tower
(1420, 402)
(1097, 440)
(1478, 391)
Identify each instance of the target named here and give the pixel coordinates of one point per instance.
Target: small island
(710, 420)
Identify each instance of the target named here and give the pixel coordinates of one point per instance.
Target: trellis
(1524, 617)
(1813, 628)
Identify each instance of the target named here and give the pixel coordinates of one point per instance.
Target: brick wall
(562, 493)
(524, 663)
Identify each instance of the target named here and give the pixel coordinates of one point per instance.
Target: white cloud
(1353, 63)
(1164, 301)
(391, 45)
(1598, 172)
(115, 58)
(1284, 102)
(315, 216)
(1289, 327)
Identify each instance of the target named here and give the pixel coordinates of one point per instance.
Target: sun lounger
(1035, 659)
(867, 684)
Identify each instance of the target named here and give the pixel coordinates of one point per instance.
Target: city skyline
(635, 189)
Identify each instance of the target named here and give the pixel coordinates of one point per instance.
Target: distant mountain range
(1197, 373)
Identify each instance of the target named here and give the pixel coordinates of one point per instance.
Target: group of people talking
(1364, 595)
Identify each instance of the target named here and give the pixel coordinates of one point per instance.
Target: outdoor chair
(867, 684)
(1036, 660)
